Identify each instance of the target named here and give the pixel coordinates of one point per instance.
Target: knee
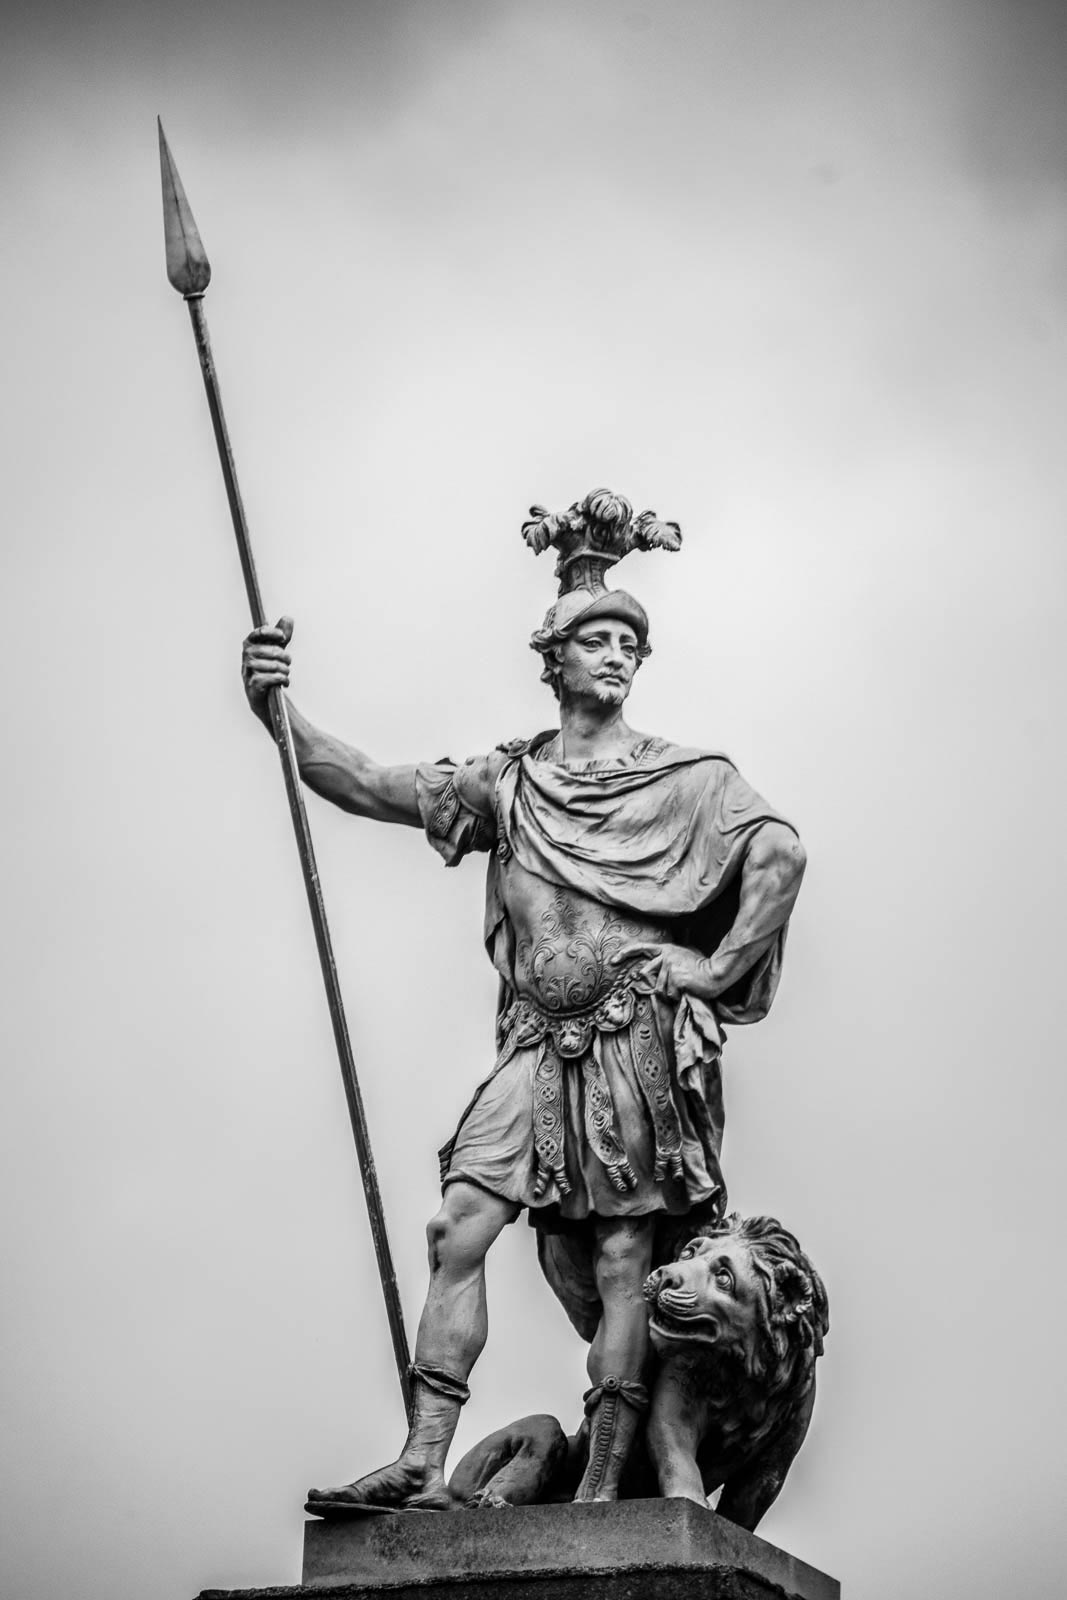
(623, 1259)
(441, 1239)
(455, 1237)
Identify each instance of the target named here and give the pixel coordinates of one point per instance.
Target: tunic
(606, 1097)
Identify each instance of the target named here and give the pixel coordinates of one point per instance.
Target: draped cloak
(662, 838)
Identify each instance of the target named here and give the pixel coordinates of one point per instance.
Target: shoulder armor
(512, 748)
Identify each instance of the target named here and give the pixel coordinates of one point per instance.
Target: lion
(737, 1321)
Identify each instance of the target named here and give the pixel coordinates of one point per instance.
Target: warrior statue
(637, 900)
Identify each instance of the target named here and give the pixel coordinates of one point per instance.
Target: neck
(590, 731)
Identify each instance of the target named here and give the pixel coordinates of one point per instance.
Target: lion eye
(724, 1278)
(687, 1253)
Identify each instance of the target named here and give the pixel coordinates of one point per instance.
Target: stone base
(635, 1550)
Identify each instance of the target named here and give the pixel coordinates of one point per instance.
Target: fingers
(261, 682)
(269, 662)
(280, 634)
(267, 652)
(634, 952)
(265, 661)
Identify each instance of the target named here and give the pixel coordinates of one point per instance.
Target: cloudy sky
(791, 272)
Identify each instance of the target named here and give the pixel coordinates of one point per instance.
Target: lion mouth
(691, 1326)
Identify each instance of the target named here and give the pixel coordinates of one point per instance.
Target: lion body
(737, 1324)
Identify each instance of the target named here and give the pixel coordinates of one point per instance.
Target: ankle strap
(441, 1382)
(635, 1394)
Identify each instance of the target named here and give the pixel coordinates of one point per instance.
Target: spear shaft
(189, 272)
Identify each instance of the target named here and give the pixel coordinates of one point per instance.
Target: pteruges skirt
(584, 1114)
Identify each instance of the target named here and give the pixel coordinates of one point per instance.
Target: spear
(190, 273)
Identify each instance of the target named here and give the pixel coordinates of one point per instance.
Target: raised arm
(335, 770)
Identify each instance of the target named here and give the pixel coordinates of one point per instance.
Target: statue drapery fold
(661, 839)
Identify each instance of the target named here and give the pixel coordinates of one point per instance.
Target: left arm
(770, 882)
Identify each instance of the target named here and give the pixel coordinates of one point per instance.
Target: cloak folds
(662, 838)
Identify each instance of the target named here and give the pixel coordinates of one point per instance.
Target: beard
(608, 694)
(582, 685)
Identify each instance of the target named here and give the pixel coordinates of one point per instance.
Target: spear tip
(188, 267)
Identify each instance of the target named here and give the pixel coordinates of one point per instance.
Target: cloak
(664, 839)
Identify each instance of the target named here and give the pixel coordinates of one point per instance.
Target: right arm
(334, 770)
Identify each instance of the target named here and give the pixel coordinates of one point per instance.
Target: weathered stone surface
(634, 1548)
(716, 1583)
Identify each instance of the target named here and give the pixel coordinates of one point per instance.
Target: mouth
(694, 1328)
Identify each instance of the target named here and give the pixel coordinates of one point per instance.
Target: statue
(637, 900)
(737, 1322)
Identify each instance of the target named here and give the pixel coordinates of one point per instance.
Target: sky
(790, 272)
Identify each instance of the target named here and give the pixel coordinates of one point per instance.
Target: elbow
(798, 857)
(779, 849)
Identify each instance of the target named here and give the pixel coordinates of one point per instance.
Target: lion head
(741, 1292)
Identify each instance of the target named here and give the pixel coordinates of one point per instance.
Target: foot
(403, 1486)
(487, 1500)
(585, 1495)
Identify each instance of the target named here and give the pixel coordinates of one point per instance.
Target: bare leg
(451, 1337)
(622, 1261)
(617, 1399)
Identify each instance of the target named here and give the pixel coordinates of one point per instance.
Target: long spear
(190, 273)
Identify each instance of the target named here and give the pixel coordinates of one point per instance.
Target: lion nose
(662, 1279)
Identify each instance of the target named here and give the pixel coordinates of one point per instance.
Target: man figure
(638, 895)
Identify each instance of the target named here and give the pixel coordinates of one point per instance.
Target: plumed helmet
(591, 537)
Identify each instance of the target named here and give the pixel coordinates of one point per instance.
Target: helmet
(582, 605)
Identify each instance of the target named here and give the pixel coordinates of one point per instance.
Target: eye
(688, 1253)
(724, 1279)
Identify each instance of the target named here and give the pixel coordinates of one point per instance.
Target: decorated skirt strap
(548, 1121)
(652, 1073)
(600, 1122)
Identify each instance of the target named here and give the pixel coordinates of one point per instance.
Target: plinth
(633, 1550)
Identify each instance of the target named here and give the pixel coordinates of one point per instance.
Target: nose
(663, 1278)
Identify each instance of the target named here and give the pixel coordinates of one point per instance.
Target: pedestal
(634, 1550)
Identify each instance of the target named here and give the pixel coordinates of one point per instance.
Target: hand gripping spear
(190, 273)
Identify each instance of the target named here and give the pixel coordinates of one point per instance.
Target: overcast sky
(790, 272)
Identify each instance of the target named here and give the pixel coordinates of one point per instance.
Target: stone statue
(637, 900)
(737, 1322)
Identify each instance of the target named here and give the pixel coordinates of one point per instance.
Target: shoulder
(475, 778)
(512, 749)
(651, 750)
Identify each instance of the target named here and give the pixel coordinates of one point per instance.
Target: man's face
(598, 661)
